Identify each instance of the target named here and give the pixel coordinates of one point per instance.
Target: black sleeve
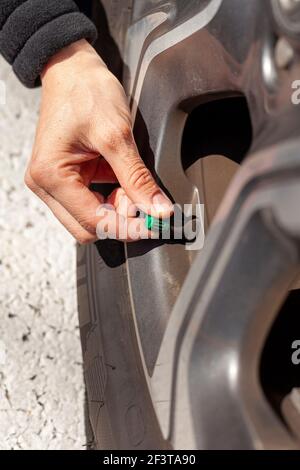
(31, 31)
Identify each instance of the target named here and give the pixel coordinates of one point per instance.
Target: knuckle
(85, 239)
(80, 240)
(29, 181)
(116, 136)
(45, 176)
(125, 132)
(88, 225)
(140, 177)
(37, 174)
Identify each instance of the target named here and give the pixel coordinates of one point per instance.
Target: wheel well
(218, 127)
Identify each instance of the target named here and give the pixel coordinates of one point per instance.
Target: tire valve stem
(180, 233)
(157, 225)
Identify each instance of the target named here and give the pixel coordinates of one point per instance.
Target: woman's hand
(84, 134)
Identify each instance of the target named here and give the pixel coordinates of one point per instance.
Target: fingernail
(161, 203)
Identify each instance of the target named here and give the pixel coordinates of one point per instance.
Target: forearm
(43, 28)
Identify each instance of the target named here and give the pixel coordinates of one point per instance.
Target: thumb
(136, 179)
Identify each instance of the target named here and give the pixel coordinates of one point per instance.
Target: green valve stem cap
(156, 225)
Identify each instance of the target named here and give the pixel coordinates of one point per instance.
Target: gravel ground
(41, 381)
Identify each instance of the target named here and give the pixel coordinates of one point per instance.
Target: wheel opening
(280, 364)
(216, 138)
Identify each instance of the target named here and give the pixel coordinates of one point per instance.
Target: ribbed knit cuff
(36, 29)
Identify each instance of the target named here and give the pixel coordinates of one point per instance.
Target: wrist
(77, 52)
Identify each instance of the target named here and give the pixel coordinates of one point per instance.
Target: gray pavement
(41, 383)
